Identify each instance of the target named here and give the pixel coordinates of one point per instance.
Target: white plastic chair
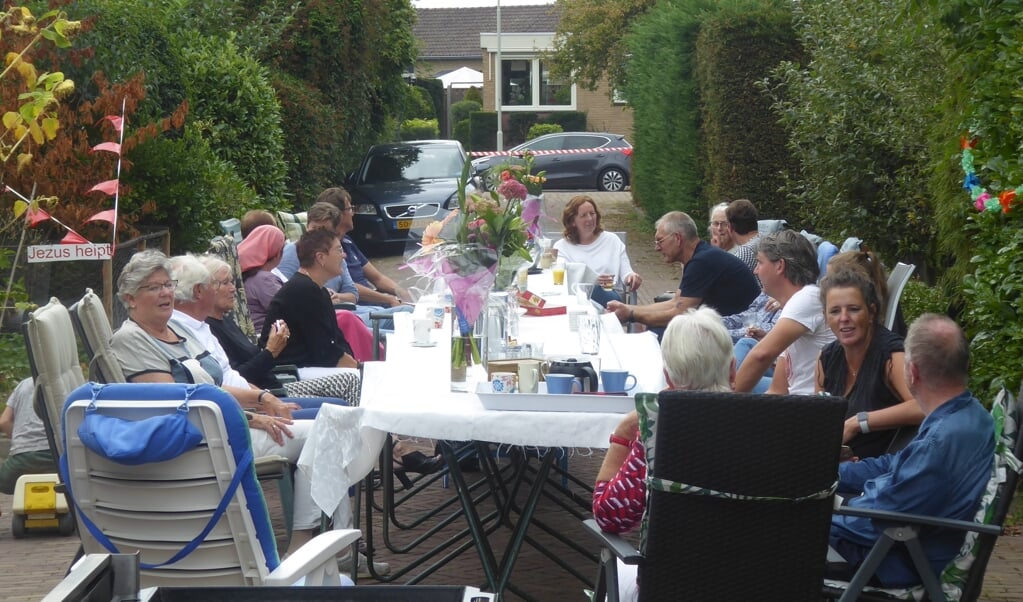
(896, 284)
(157, 509)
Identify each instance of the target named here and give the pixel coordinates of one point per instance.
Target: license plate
(403, 224)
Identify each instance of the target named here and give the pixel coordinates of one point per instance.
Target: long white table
(409, 394)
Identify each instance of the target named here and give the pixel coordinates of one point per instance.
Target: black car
(403, 185)
(572, 160)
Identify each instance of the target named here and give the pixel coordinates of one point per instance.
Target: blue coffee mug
(617, 381)
(562, 384)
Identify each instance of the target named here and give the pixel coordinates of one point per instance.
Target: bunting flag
(36, 217)
(116, 121)
(108, 188)
(73, 238)
(111, 147)
(104, 216)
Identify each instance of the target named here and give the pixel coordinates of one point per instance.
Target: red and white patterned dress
(618, 504)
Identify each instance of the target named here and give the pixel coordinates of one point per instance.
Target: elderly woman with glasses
(254, 363)
(720, 233)
(151, 349)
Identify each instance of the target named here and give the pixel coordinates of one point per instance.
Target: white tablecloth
(409, 394)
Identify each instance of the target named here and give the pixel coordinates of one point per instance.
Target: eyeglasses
(719, 224)
(222, 283)
(659, 241)
(348, 209)
(156, 288)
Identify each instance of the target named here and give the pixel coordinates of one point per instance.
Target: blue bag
(133, 442)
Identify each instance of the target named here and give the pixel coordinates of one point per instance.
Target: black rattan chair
(747, 513)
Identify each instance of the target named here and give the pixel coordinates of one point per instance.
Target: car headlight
(365, 209)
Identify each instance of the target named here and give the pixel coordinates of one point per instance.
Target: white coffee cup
(529, 376)
(421, 328)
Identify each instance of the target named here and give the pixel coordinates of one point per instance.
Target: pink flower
(512, 189)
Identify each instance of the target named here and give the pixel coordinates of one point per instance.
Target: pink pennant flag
(115, 121)
(104, 216)
(109, 187)
(112, 147)
(73, 238)
(36, 217)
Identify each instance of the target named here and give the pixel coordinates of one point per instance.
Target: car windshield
(414, 163)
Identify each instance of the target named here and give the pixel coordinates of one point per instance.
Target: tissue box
(547, 310)
(535, 305)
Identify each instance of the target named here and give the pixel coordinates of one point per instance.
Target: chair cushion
(226, 249)
(293, 224)
(96, 333)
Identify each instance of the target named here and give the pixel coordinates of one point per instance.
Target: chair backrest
(158, 508)
(897, 280)
(53, 357)
(232, 227)
(293, 224)
(969, 574)
(740, 495)
(225, 248)
(93, 328)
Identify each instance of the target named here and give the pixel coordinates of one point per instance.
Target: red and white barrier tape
(573, 151)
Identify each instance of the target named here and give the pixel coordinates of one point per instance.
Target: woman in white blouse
(603, 252)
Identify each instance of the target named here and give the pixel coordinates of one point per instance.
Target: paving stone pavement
(30, 567)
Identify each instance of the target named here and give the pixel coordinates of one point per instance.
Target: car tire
(488, 180)
(612, 180)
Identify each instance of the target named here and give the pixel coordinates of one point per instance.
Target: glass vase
(468, 350)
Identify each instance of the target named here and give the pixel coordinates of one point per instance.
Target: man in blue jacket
(942, 472)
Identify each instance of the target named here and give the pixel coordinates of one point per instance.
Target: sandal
(414, 462)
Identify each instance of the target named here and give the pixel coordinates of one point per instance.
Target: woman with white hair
(697, 353)
(720, 234)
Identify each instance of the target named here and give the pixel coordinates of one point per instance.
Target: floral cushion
(226, 249)
(956, 573)
(646, 407)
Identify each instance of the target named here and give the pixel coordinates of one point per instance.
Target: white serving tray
(544, 402)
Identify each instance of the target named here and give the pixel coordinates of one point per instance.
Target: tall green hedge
(666, 171)
(744, 147)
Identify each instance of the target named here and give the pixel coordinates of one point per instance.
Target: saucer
(430, 344)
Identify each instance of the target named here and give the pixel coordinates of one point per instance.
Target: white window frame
(524, 46)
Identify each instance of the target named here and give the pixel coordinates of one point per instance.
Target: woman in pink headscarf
(259, 254)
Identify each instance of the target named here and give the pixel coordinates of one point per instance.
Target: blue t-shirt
(720, 279)
(355, 259)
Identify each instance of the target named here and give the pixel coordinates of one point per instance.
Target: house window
(553, 91)
(528, 83)
(517, 76)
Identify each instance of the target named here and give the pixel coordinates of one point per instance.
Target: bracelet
(619, 440)
(259, 399)
(864, 424)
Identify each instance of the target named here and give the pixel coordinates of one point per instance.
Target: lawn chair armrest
(895, 518)
(316, 561)
(621, 548)
(347, 306)
(285, 373)
(270, 468)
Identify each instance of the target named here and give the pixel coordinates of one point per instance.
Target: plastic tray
(545, 402)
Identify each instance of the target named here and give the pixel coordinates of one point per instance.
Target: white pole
(498, 82)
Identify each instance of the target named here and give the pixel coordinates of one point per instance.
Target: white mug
(529, 376)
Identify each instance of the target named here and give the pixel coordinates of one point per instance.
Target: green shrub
(540, 129)
(13, 363)
(461, 133)
(993, 303)
(461, 109)
(918, 299)
(418, 104)
(519, 123)
(187, 186)
(570, 121)
(475, 95)
(483, 131)
(419, 129)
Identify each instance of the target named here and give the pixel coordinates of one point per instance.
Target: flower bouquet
(467, 250)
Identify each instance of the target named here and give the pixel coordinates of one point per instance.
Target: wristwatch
(864, 425)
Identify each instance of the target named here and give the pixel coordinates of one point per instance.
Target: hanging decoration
(982, 199)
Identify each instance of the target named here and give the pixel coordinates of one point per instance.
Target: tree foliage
(858, 113)
(589, 44)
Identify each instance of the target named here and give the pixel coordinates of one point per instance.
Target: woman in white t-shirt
(603, 252)
(787, 267)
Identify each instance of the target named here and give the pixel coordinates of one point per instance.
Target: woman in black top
(865, 364)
